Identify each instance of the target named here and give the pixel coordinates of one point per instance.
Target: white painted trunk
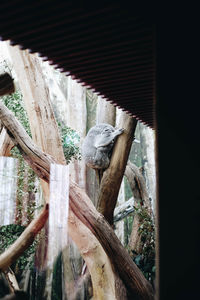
(8, 187)
(147, 137)
(119, 226)
(76, 119)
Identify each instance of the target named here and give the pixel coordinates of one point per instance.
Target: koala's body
(98, 144)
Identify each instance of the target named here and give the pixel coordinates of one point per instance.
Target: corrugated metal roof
(104, 47)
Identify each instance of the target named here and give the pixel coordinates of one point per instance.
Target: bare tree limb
(24, 241)
(138, 185)
(124, 210)
(11, 279)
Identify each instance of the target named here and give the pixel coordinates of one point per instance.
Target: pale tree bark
(147, 140)
(106, 112)
(119, 226)
(82, 207)
(6, 87)
(43, 125)
(11, 280)
(68, 100)
(92, 185)
(35, 93)
(76, 119)
(6, 144)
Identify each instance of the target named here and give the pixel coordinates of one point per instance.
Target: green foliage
(127, 188)
(8, 234)
(56, 292)
(128, 224)
(146, 259)
(69, 136)
(70, 140)
(25, 186)
(14, 103)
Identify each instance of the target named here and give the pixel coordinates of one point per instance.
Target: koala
(98, 144)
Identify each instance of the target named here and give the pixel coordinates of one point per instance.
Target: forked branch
(81, 206)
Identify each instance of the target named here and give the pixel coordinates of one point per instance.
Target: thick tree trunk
(35, 93)
(83, 209)
(112, 177)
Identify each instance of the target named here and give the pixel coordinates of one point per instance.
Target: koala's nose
(96, 161)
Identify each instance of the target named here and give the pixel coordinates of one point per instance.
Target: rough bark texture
(112, 177)
(35, 93)
(83, 209)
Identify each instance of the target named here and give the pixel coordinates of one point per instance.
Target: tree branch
(124, 210)
(24, 241)
(112, 177)
(82, 207)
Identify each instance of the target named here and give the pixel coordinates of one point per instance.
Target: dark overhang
(106, 47)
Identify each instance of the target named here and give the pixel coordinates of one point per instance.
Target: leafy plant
(145, 260)
(8, 234)
(70, 140)
(26, 186)
(14, 102)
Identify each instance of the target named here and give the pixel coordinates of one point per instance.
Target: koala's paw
(120, 131)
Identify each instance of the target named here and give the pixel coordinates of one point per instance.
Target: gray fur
(98, 144)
